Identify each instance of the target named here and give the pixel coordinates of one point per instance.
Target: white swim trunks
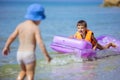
(25, 57)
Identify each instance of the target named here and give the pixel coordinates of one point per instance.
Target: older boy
(84, 33)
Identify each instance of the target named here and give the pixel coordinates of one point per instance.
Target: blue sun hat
(35, 12)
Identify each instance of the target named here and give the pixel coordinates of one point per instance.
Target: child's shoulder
(89, 30)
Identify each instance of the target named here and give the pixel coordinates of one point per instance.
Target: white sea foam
(65, 59)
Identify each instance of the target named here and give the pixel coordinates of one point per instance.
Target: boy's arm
(95, 41)
(73, 36)
(41, 44)
(11, 38)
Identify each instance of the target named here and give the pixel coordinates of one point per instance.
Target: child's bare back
(27, 32)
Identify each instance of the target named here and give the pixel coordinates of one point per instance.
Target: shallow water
(106, 68)
(61, 20)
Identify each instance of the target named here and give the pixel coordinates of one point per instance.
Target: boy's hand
(94, 48)
(48, 59)
(5, 51)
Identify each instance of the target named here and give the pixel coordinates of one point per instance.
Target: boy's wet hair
(82, 23)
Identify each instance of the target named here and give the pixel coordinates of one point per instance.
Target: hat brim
(35, 18)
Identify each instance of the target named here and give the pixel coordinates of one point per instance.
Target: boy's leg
(100, 46)
(22, 73)
(110, 45)
(106, 46)
(30, 70)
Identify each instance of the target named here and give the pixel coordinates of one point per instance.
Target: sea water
(61, 19)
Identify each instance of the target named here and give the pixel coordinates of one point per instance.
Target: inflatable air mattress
(66, 45)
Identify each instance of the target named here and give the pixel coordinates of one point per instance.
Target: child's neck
(35, 22)
(83, 35)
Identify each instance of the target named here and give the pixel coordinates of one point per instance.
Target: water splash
(65, 59)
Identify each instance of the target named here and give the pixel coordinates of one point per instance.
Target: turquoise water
(61, 20)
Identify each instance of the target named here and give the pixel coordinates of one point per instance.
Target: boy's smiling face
(81, 29)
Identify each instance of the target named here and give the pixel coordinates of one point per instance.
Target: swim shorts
(25, 57)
